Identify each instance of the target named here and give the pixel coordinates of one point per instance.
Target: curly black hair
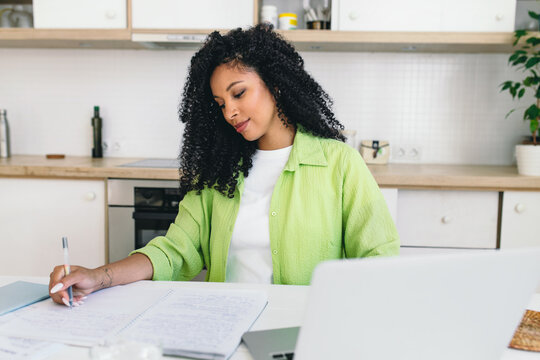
(213, 154)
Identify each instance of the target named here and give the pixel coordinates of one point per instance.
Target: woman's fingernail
(56, 287)
(76, 304)
(80, 302)
(66, 302)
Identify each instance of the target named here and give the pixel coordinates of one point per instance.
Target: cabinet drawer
(188, 14)
(465, 219)
(79, 14)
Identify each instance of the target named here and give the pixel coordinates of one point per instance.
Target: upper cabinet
(478, 15)
(424, 15)
(477, 26)
(189, 14)
(80, 14)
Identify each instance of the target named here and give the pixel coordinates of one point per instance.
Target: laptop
(457, 306)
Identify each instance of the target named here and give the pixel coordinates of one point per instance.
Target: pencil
(67, 268)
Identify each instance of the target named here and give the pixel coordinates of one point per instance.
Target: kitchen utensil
(20, 18)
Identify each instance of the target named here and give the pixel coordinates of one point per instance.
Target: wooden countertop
(412, 176)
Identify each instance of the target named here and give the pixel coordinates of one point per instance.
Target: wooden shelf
(304, 40)
(66, 38)
(324, 40)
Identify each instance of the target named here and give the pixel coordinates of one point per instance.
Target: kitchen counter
(411, 176)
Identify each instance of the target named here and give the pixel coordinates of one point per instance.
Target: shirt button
(275, 252)
(274, 213)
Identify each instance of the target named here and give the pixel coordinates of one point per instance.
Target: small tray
(527, 335)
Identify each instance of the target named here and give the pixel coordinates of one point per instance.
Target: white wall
(447, 105)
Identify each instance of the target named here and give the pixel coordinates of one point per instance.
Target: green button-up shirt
(325, 205)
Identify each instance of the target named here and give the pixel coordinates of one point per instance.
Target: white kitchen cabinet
(188, 14)
(478, 16)
(448, 218)
(391, 197)
(80, 14)
(424, 15)
(520, 219)
(36, 213)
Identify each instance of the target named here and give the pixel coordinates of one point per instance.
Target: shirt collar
(306, 150)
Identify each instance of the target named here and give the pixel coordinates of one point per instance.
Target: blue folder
(21, 293)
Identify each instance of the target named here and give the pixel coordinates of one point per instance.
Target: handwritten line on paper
(200, 323)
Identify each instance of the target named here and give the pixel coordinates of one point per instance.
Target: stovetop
(154, 163)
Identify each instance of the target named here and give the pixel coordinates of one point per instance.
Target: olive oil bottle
(97, 124)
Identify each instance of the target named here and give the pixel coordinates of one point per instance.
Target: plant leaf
(510, 112)
(531, 113)
(534, 15)
(537, 93)
(520, 60)
(533, 126)
(506, 85)
(533, 41)
(521, 92)
(532, 62)
(518, 34)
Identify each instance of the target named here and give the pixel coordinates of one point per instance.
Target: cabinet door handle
(110, 14)
(353, 15)
(499, 17)
(446, 219)
(519, 208)
(90, 196)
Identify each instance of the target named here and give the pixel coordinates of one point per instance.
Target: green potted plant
(526, 58)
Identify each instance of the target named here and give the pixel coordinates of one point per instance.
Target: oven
(138, 211)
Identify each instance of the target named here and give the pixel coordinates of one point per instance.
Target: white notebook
(199, 323)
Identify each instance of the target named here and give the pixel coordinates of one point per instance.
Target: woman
(269, 188)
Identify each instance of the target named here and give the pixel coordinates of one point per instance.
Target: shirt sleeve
(178, 254)
(368, 228)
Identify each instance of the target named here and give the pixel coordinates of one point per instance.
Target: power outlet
(414, 153)
(106, 148)
(406, 153)
(112, 146)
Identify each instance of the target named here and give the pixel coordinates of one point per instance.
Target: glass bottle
(5, 151)
(97, 123)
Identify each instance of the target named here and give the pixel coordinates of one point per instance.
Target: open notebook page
(102, 316)
(199, 323)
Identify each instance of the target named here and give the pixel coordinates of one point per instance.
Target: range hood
(169, 41)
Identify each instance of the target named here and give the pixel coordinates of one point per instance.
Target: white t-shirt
(249, 258)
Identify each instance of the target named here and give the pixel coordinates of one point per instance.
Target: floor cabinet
(520, 219)
(448, 218)
(36, 213)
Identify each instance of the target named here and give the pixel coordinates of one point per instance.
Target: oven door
(149, 224)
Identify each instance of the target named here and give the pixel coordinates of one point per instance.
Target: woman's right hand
(83, 281)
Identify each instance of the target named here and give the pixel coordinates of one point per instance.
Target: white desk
(285, 308)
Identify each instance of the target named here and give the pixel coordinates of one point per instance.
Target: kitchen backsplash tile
(447, 106)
